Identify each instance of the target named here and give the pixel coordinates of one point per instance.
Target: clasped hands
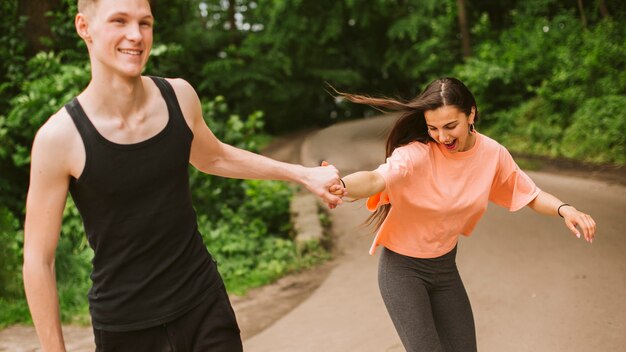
(336, 189)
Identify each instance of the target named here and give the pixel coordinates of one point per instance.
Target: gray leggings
(427, 302)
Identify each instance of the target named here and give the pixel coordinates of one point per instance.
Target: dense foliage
(554, 88)
(549, 76)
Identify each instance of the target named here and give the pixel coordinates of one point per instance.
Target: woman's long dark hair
(411, 125)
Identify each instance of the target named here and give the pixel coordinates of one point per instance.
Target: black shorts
(210, 326)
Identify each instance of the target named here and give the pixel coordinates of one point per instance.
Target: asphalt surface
(533, 285)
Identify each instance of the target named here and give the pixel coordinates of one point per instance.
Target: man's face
(118, 35)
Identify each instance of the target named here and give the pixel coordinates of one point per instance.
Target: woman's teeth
(450, 145)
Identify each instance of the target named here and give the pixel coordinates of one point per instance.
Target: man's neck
(116, 96)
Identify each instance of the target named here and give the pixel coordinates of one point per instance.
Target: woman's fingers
(585, 223)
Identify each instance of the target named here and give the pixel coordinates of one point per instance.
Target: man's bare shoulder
(58, 134)
(184, 90)
(188, 100)
(180, 83)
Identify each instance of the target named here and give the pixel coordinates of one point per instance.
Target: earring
(471, 128)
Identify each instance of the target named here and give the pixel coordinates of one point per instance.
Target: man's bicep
(205, 148)
(47, 193)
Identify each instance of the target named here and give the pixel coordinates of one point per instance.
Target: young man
(122, 148)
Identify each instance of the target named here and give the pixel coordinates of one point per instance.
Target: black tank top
(150, 264)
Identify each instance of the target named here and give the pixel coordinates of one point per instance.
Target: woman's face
(449, 126)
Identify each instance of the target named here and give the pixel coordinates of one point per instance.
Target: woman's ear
(472, 115)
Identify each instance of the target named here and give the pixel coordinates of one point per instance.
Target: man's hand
(335, 190)
(319, 181)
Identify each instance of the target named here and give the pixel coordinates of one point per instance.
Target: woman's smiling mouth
(451, 145)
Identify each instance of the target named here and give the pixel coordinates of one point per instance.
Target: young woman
(439, 175)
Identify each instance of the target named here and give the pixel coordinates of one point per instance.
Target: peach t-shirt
(437, 195)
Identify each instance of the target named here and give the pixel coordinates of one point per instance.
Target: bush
(505, 72)
(248, 252)
(530, 128)
(11, 243)
(588, 64)
(48, 84)
(531, 82)
(597, 133)
(245, 223)
(13, 306)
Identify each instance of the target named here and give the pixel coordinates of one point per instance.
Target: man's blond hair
(83, 5)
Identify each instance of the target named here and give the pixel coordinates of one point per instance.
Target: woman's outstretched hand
(546, 203)
(575, 219)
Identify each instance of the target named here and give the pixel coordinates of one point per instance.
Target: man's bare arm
(44, 213)
(211, 156)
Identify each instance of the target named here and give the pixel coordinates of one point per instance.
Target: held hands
(574, 218)
(337, 189)
(319, 182)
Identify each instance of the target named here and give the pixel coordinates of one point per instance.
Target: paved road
(533, 286)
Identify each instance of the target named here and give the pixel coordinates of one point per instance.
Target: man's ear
(82, 27)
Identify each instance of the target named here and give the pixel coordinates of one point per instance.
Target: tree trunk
(37, 23)
(604, 11)
(465, 34)
(231, 15)
(583, 18)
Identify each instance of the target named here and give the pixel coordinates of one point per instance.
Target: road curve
(533, 286)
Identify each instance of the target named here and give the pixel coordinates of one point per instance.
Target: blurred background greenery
(549, 77)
